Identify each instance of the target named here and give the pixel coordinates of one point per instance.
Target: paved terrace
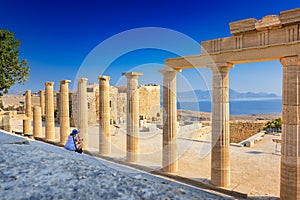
(31, 169)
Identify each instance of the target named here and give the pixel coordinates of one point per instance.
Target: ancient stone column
(290, 146)
(7, 123)
(28, 109)
(37, 122)
(132, 116)
(49, 111)
(27, 126)
(42, 101)
(82, 110)
(64, 110)
(104, 116)
(170, 150)
(220, 156)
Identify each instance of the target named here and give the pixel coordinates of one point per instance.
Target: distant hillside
(206, 95)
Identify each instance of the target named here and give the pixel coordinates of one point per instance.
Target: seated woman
(74, 142)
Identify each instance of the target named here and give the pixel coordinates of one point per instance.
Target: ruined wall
(241, 130)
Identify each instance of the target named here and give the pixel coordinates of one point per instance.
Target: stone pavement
(33, 170)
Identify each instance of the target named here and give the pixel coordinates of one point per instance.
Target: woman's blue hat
(74, 132)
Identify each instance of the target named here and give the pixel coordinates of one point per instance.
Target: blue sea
(238, 107)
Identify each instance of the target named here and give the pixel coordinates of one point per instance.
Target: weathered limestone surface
(170, 150)
(220, 157)
(37, 122)
(133, 144)
(64, 111)
(290, 160)
(83, 110)
(54, 173)
(104, 116)
(49, 110)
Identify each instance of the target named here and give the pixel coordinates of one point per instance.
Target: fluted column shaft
(104, 116)
(290, 146)
(64, 110)
(220, 157)
(83, 110)
(132, 116)
(28, 109)
(37, 122)
(170, 149)
(42, 101)
(49, 110)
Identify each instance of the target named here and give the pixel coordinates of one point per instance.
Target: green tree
(12, 68)
(276, 123)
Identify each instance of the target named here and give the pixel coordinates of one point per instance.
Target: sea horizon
(246, 106)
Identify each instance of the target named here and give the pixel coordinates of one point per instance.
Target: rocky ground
(34, 170)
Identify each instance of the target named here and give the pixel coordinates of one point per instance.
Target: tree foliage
(12, 69)
(276, 123)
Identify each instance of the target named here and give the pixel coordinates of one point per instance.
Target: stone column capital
(49, 83)
(103, 78)
(132, 75)
(218, 67)
(82, 80)
(168, 71)
(290, 61)
(42, 91)
(65, 81)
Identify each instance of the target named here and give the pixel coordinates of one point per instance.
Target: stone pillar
(82, 110)
(64, 111)
(28, 109)
(170, 150)
(104, 116)
(27, 126)
(220, 156)
(290, 146)
(132, 116)
(37, 122)
(42, 101)
(49, 111)
(7, 123)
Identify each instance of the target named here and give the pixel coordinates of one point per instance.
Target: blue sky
(58, 36)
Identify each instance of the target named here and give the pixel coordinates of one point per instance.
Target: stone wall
(241, 130)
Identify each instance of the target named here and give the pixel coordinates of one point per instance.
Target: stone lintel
(65, 81)
(241, 26)
(49, 83)
(132, 74)
(290, 16)
(82, 80)
(104, 78)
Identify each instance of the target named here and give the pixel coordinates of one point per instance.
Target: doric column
(104, 116)
(170, 151)
(220, 156)
(49, 110)
(290, 146)
(27, 126)
(64, 110)
(42, 101)
(7, 123)
(82, 110)
(37, 122)
(28, 109)
(132, 116)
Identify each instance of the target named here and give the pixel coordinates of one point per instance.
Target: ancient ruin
(271, 38)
